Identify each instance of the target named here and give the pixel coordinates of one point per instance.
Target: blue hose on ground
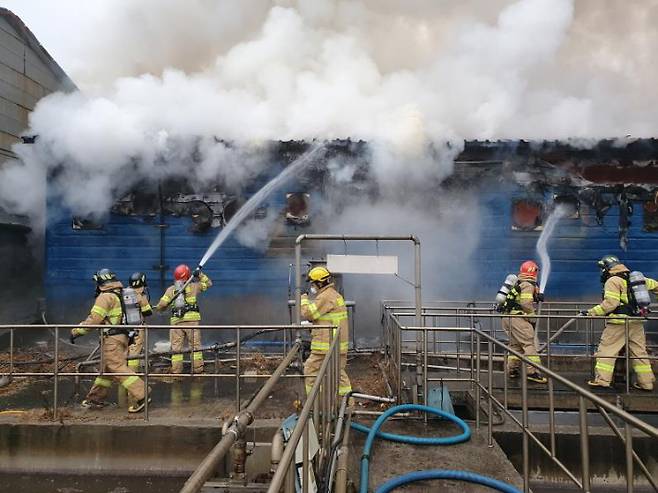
(417, 476)
(469, 477)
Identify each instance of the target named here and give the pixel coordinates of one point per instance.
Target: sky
(59, 25)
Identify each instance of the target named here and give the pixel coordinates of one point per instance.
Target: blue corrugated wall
(252, 287)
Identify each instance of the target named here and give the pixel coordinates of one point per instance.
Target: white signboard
(362, 264)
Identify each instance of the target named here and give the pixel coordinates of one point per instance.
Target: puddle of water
(21, 483)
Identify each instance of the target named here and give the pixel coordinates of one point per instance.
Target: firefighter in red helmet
(521, 330)
(185, 315)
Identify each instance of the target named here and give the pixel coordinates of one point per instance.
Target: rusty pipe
(241, 421)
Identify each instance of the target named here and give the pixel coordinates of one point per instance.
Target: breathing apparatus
(505, 291)
(639, 292)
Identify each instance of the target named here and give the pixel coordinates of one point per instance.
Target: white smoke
(169, 82)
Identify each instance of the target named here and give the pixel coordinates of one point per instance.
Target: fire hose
(412, 477)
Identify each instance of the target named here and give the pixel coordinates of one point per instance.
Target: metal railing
(562, 337)
(237, 429)
(240, 332)
(320, 409)
(477, 372)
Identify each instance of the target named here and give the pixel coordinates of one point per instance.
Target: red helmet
(182, 273)
(529, 268)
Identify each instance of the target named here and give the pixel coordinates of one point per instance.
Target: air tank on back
(501, 296)
(640, 293)
(132, 314)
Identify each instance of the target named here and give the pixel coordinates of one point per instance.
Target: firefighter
(521, 330)
(617, 305)
(327, 308)
(108, 309)
(137, 281)
(185, 315)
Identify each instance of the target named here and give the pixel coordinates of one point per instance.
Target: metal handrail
(323, 394)
(236, 431)
(479, 337)
(146, 374)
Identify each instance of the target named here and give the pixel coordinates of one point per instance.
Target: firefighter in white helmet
(327, 307)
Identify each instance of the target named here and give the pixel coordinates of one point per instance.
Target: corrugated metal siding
(574, 248)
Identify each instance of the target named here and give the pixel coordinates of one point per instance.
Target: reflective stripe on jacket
(107, 308)
(523, 297)
(615, 297)
(328, 308)
(191, 292)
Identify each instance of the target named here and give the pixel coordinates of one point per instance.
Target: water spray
(558, 212)
(250, 206)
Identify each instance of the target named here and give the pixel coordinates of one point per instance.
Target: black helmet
(104, 276)
(608, 262)
(137, 280)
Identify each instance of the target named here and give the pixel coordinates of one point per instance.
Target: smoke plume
(167, 83)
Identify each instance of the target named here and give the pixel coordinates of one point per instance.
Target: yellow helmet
(318, 274)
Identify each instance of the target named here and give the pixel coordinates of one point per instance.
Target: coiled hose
(420, 475)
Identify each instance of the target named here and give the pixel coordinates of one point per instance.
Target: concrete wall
(27, 74)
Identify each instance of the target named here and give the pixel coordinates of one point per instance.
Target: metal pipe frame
(323, 393)
(236, 431)
(56, 373)
(586, 400)
(587, 351)
(417, 277)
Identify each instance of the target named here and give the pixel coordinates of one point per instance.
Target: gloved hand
(73, 336)
(583, 313)
(197, 272)
(540, 297)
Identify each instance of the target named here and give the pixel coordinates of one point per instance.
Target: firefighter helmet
(608, 262)
(318, 274)
(529, 268)
(182, 273)
(103, 276)
(137, 280)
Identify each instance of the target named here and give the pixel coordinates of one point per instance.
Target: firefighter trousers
(312, 367)
(522, 339)
(185, 331)
(613, 339)
(115, 350)
(135, 349)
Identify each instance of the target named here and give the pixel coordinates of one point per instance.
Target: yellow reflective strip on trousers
(322, 347)
(604, 367)
(103, 382)
(642, 368)
(176, 357)
(344, 389)
(99, 310)
(198, 356)
(129, 381)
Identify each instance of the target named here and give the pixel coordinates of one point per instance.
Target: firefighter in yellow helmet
(618, 307)
(521, 330)
(326, 308)
(137, 281)
(108, 310)
(185, 316)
